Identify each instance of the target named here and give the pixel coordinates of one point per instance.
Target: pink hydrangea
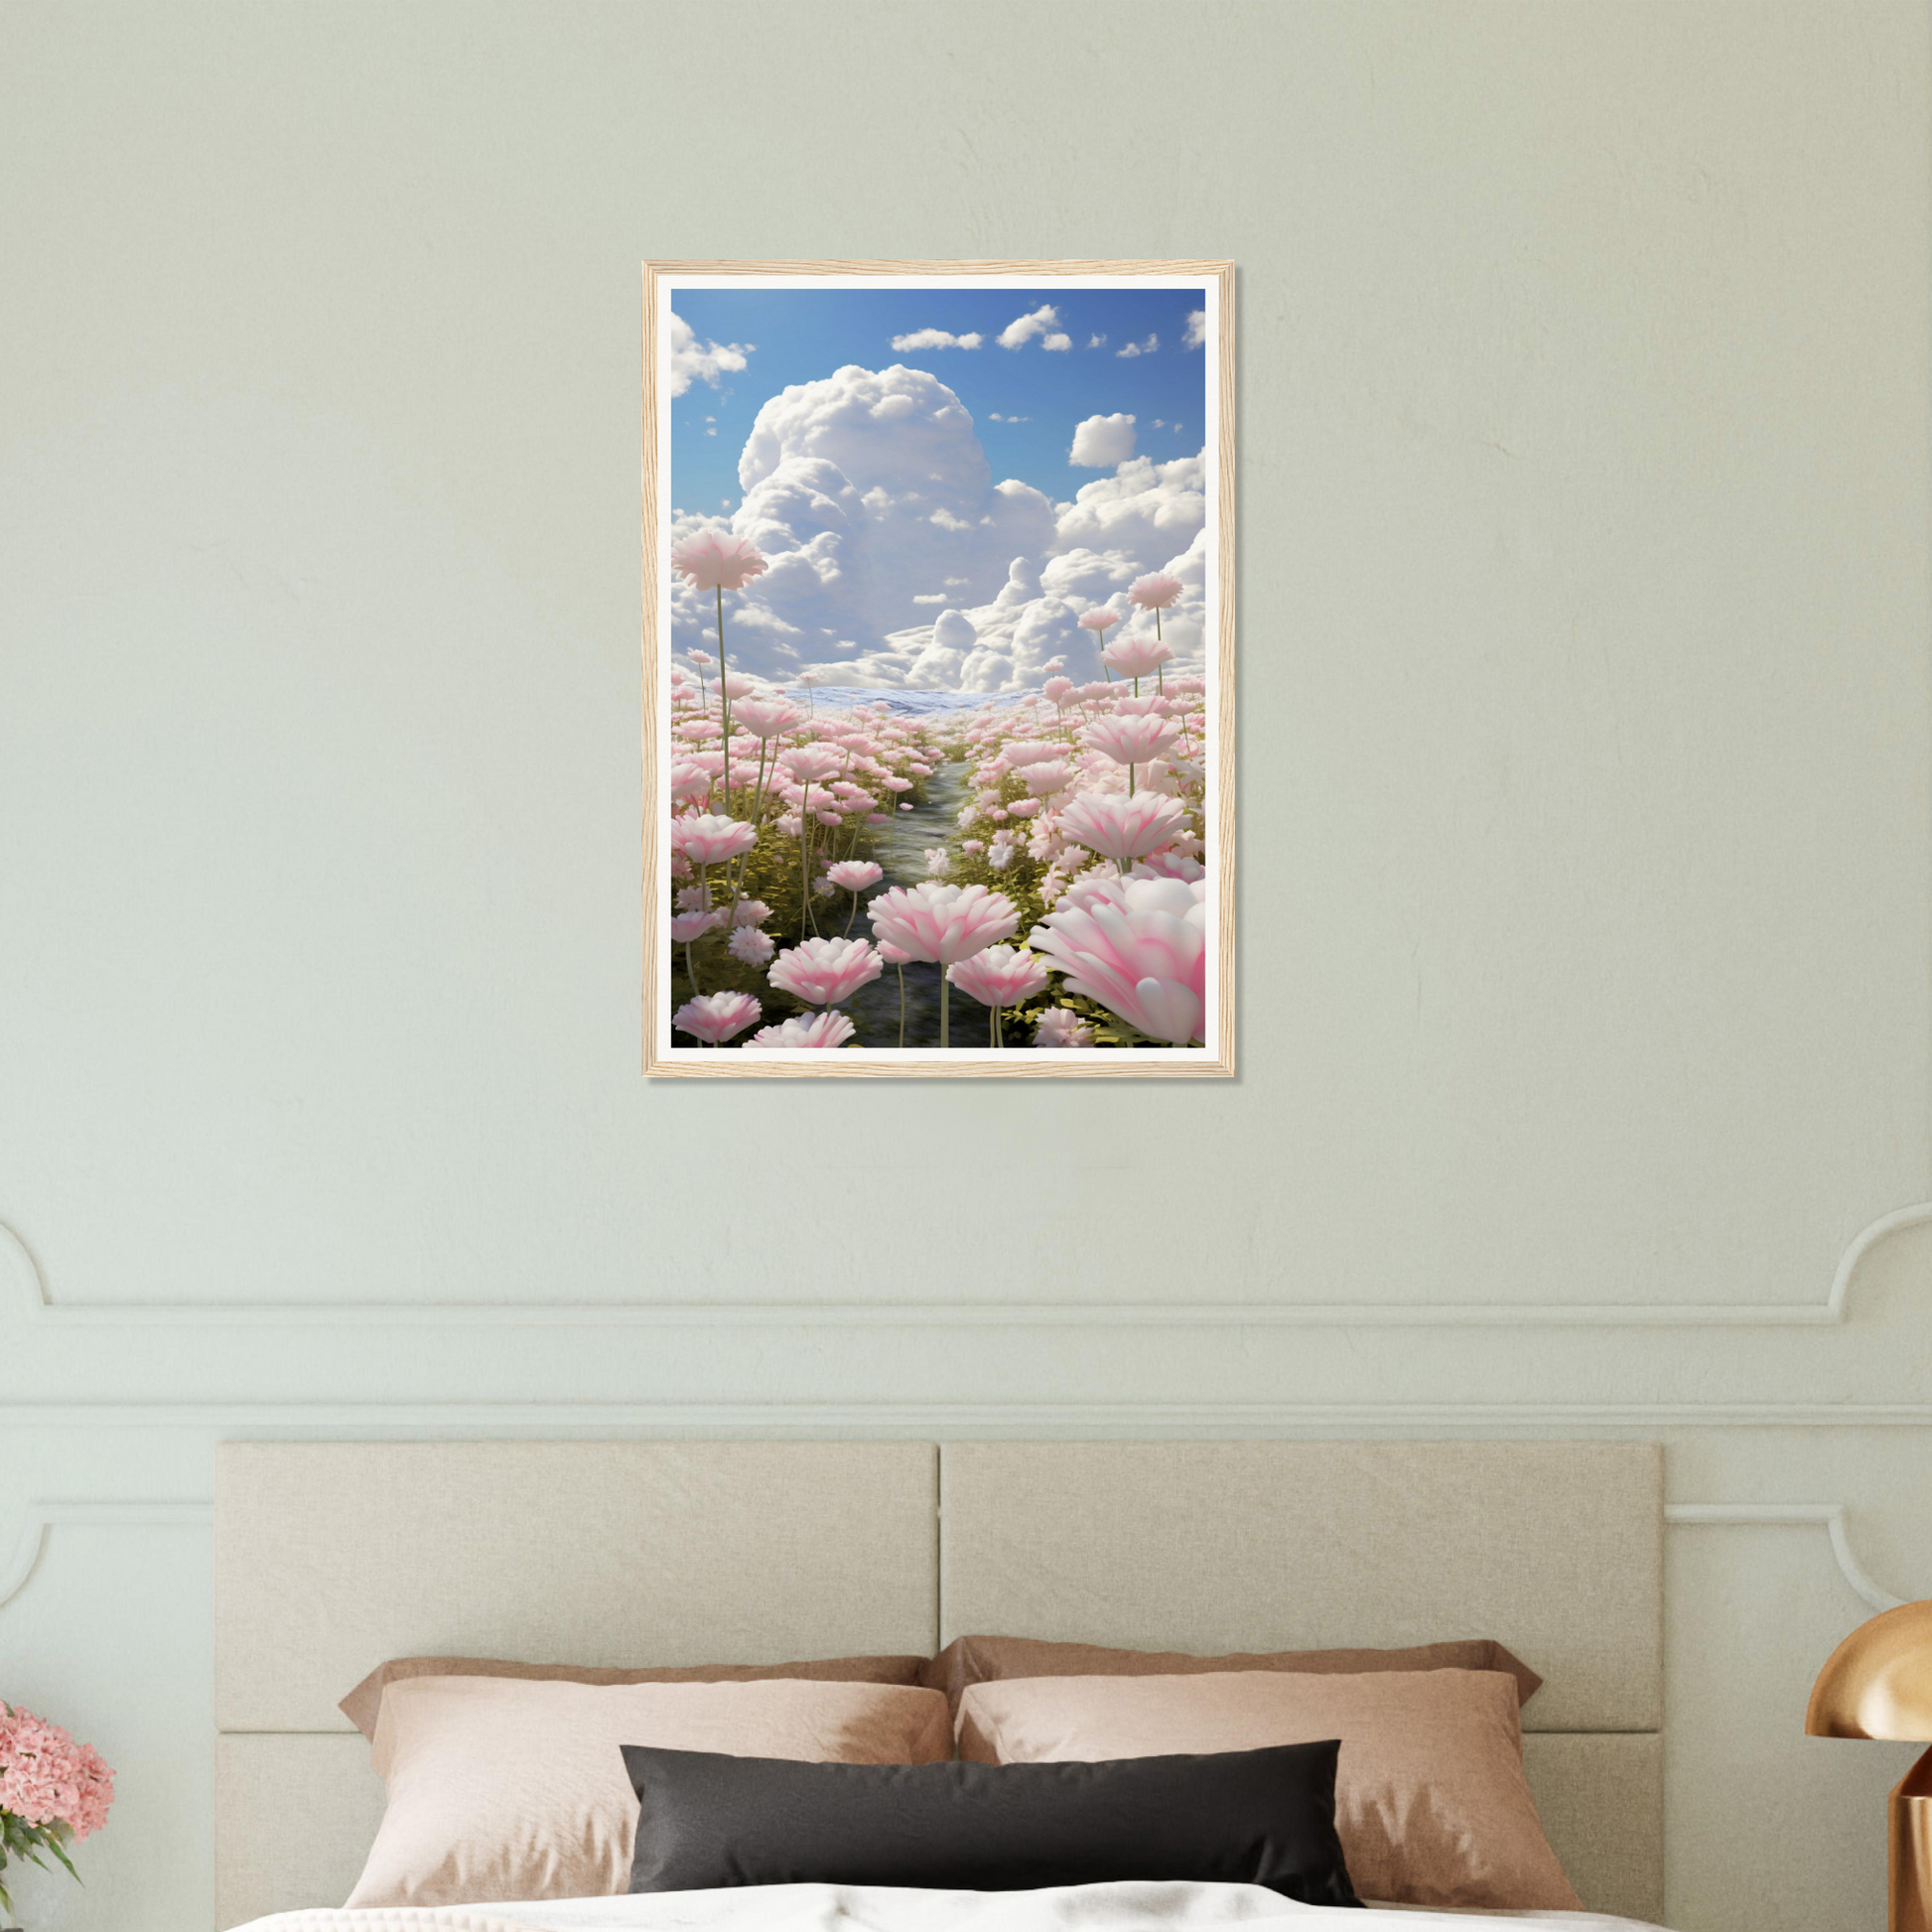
(46, 1778)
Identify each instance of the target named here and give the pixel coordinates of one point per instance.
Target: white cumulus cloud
(1102, 440)
(1096, 341)
(696, 361)
(1197, 329)
(935, 338)
(1058, 341)
(865, 487)
(1141, 349)
(1018, 332)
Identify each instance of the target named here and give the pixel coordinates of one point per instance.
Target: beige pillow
(511, 1788)
(360, 1705)
(982, 1660)
(1431, 1802)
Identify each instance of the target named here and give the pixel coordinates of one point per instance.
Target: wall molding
(44, 1517)
(960, 1418)
(1830, 1516)
(23, 1291)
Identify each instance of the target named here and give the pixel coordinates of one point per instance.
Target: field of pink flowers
(1029, 873)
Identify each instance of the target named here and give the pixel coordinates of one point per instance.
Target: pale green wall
(1583, 813)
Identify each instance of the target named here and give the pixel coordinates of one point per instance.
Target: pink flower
(715, 560)
(938, 861)
(1139, 947)
(46, 1778)
(1131, 741)
(1135, 656)
(822, 972)
(751, 911)
(893, 955)
(827, 1028)
(1062, 1027)
(1099, 619)
(1154, 592)
(715, 1017)
(709, 839)
(1169, 865)
(1121, 828)
(1024, 807)
(1031, 753)
(686, 926)
(812, 764)
(751, 945)
(688, 781)
(1001, 975)
(767, 717)
(855, 875)
(945, 924)
(1043, 778)
(1057, 691)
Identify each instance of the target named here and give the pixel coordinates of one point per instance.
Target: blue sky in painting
(1025, 401)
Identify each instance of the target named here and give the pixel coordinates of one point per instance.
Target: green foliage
(20, 1840)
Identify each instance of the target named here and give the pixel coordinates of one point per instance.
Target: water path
(873, 1009)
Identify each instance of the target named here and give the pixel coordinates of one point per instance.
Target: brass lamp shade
(1878, 1684)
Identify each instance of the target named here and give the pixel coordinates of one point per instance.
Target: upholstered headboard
(331, 1557)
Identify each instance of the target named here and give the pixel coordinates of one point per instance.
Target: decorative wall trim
(959, 1419)
(1830, 1515)
(43, 1517)
(22, 1289)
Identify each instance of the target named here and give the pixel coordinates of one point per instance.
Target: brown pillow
(1431, 1802)
(985, 1660)
(362, 1704)
(508, 1788)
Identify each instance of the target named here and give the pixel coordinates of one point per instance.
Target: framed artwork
(938, 653)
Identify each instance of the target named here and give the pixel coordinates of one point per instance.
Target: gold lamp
(1878, 1684)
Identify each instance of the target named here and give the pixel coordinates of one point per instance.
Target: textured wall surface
(1585, 949)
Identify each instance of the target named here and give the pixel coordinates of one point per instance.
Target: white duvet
(1137, 1906)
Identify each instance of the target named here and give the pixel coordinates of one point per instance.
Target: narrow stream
(875, 1008)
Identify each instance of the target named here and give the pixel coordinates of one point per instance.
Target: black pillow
(1260, 1818)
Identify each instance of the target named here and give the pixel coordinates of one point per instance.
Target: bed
(331, 1557)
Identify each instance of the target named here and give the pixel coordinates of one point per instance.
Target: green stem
(805, 859)
(724, 696)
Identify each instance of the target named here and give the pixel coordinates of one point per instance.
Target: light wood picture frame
(913, 539)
